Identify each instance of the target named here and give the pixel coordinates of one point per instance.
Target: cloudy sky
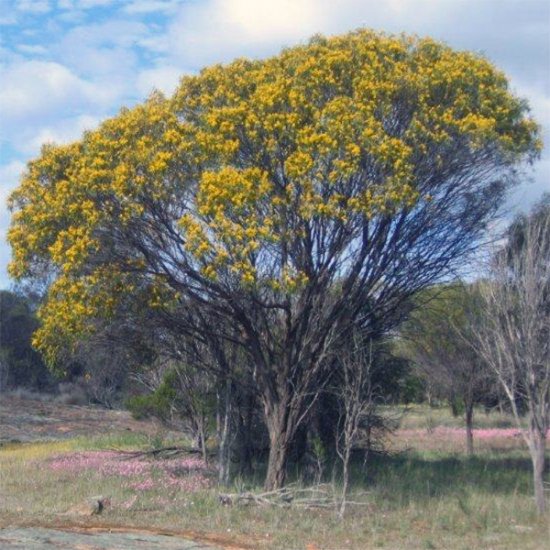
(67, 64)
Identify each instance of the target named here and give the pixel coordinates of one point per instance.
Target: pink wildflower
(144, 485)
(183, 474)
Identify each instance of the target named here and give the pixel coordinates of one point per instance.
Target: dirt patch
(28, 420)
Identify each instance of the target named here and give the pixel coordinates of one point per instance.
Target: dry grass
(430, 496)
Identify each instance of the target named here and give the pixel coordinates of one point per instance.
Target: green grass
(421, 498)
(422, 417)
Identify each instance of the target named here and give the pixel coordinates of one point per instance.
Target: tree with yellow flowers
(289, 198)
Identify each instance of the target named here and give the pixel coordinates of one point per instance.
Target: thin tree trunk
(218, 417)
(246, 445)
(537, 450)
(345, 480)
(202, 440)
(224, 451)
(469, 429)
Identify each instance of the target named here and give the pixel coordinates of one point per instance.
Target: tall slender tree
(515, 340)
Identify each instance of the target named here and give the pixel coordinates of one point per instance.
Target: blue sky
(67, 64)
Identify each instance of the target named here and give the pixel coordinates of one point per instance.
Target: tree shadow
(407, 477)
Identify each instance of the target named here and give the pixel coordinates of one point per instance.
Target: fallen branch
(302, 497)
(164, 452)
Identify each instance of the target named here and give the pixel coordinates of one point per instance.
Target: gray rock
(34, 538)
(92, 506)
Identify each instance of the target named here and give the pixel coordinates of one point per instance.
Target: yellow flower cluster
(247, 156)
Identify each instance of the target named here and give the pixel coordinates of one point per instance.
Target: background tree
(357, 395)
(437, 339)
(184, 398)
(282, 199)
(20, 364)
(515, 340)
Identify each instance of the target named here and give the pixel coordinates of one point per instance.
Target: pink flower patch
(183, 474)
(487, 433)
(145, 485)
(77, 462)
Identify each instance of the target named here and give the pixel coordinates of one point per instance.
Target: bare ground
(25, 420)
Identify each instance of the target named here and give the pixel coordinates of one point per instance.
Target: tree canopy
(286, 197)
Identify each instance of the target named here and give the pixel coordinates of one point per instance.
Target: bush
(72, 393)
(157, 404)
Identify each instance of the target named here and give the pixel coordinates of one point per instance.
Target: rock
(40, 538)
(98, 504)
(92, 506)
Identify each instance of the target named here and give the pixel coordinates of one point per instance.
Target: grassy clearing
(425, 417)
(420, 498)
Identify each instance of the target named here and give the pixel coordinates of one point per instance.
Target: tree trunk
(537, 450)
(202, 439)
(224, 450)
(345, 480)
(469, 429)
(500, 404)
(276, 466)
(281, 432)
(246, 420)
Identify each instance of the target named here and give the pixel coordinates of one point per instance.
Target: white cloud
(9, 176)
(538, 98)
(64, 131)
(8, 19)
(36, 86)
(164, 78)
(103, 49)
(10, 172)
(46, 101)
(113, 32)
(151, 6)
(267, 20)
(220, 30)
(32, 49)
(41, 88)
(531, 189)
(4, 260)
(33, 6)
(84, 4)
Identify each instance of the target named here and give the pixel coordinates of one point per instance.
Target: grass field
(425, 494)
